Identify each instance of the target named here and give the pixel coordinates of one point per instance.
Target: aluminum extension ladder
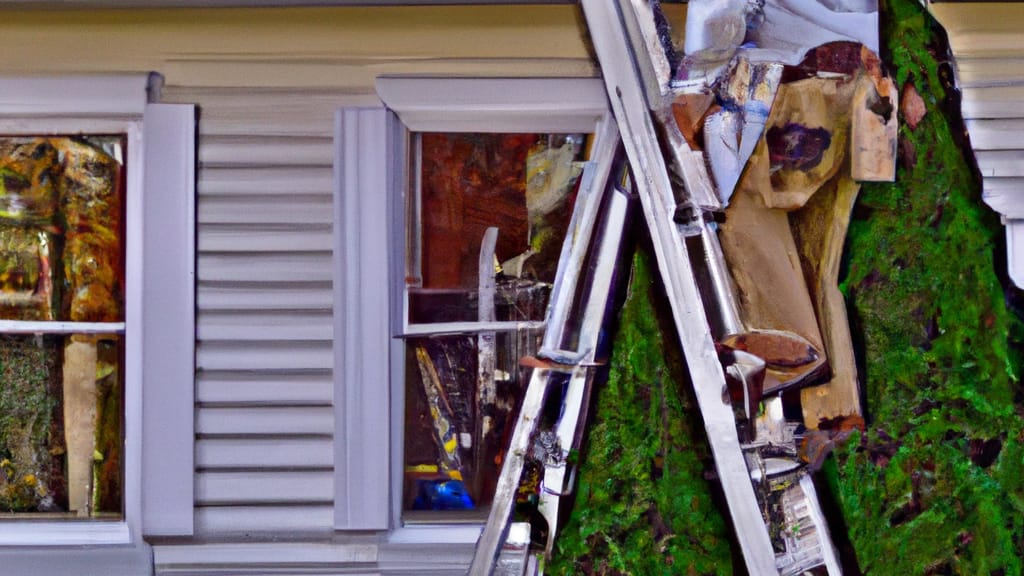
(675, 195)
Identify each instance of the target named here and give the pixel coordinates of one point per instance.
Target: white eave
(989, 51)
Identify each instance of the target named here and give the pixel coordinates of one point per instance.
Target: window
(61, 326)
(96, 313)
(399, 336)
(486, 216)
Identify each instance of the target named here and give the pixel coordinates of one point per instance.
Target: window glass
(522, 184)
(61, 326)
(485, 229)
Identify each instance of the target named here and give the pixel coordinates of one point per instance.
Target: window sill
(65, 533)
(436, 534)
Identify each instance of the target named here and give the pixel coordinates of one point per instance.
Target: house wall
(268, 83)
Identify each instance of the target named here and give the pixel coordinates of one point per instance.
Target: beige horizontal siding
(989, 134)
(266, 49)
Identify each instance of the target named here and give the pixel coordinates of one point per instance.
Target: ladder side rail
(618, 63)
(583, 226)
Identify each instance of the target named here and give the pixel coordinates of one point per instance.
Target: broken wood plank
(874, 130)
(820, 229)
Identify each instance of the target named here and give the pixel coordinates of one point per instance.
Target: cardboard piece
(806, 139)
(764, 261)
(820, 231)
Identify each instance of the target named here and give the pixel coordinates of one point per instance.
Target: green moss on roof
(934, 486)
(643, 505)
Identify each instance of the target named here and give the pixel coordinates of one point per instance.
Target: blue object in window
(442, 495)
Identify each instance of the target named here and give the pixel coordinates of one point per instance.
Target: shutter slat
(219, 488)
(247, 238)
(288, 325)
(265, 421)
(262, 180)
(261, 296)
(981, 72)
(264, 355)
(1005, 134)
(265, 267)
(1006, 196)
(265, 151)
(292, 209)
(264, 388)
(245, 520)
(995, 102)
(988, 42)
(1001, 163)
(255, 453)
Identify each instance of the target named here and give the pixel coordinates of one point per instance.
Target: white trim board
(159, 308)
(168, 320)
(76, 96)
(495, 104)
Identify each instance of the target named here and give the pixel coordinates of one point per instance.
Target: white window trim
(159, 301)
(371, 177)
